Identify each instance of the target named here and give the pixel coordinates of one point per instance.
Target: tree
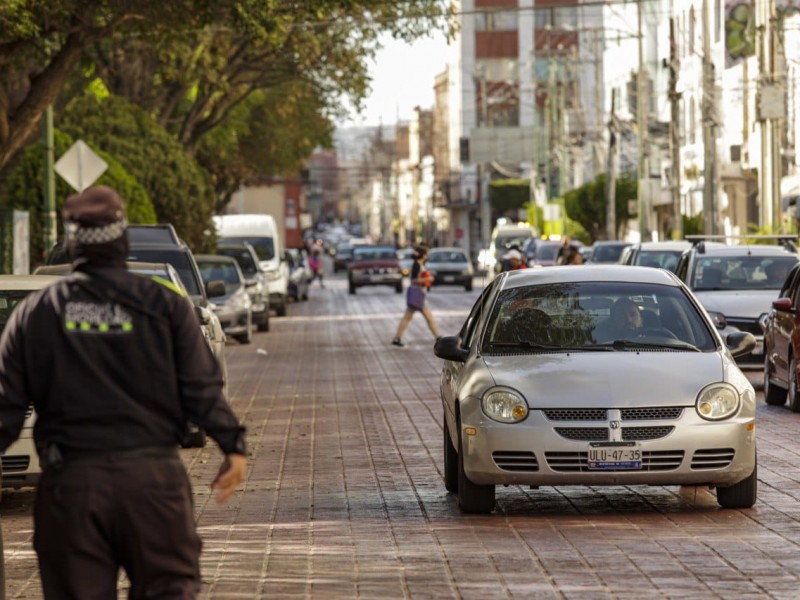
(508, 196)
(179, 188)
(23, 191)
(43, 40)
(191, 62)
(587, 204)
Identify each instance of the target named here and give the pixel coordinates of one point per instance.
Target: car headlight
(719, 319)
(504, 405)
(717, 401)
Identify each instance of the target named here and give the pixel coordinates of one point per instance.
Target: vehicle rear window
(741, 272)
(447, 257)
(211, 270)
(178, 258)
(660, 259)
(264, 246)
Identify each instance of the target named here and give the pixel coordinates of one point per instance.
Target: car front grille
(600, 414)
(577, 462)
(15, 463)
(600, 434)
(515, 461)
(712, 458)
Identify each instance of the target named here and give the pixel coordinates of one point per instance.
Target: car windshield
(450, 256)
(178, 258)
(607, 253)
(8, 302)
(662, 259)
(741, 272)
(243, 257)
(594, 316)
(264, 246)
(547, 251)
(367, 253)
(211, 270)
(507, 242)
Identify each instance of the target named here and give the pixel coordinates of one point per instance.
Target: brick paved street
(345, 497)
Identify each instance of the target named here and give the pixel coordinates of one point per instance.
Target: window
(496, 20)
(565, 17)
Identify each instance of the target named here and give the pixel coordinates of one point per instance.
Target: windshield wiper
(536, 346)
(623, 344)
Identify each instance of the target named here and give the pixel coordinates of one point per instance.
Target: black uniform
(114, 364)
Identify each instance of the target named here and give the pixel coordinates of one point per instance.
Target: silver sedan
(602, 375)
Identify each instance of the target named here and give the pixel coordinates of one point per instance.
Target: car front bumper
(693, 452)
(21, 463)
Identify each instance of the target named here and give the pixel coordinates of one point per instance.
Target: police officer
(114, 364)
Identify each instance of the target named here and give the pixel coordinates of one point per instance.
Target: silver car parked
(604, 375)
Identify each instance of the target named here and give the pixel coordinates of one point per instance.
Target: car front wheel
(739, 495)
(773, 395)
(472, 498)
(450, 461)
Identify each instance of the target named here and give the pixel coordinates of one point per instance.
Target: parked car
(20, 462)
(661, 255)
(342, 255)
(233, 308)
(374, 265)
(736, 286)
(300, 274)
(781, 326)
(541, 253)
(607, 251)
(255, 279)
(450, 266)
(531, 397)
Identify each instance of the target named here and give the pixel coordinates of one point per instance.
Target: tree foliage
(190, 63)
(587, 204)
(24, 191)
(508, 196)
(179, 188)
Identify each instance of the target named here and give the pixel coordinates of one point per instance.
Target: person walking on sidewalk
(315, 264)
(420, 281)
(114, 364)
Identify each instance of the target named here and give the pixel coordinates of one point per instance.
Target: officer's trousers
(95, 515)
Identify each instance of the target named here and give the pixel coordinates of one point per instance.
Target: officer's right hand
(230, 475)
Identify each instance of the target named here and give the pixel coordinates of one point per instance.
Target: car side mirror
(740, 343)
(250, 282)
(449, 348)
(215, 288)
(203, 315)
(783, 304)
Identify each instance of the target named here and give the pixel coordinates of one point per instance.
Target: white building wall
(526, 62)
(469, 110)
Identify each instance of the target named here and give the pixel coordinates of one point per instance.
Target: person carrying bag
(421, 280)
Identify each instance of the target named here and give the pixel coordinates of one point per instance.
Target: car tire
(247, 337)
(351, 288)
(264, 324)
(740, 495)
(468, 287)
(281, 309)
(450, 461)
(793, 392)
(399, 288)
(773, 394)
(472, 498)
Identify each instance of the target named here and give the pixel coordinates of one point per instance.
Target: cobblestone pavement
(345, 497)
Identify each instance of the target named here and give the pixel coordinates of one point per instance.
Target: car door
(781, 326)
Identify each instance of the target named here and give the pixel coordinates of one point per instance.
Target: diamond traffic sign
(80, 166)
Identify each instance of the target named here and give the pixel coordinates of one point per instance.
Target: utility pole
(674, 130)
(611, 180)
(770, 109)
(710, 112)
(641, 121)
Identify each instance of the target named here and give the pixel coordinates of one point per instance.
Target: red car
(781, 327)
(374, 265)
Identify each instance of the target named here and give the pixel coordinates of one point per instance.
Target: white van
(261, 232)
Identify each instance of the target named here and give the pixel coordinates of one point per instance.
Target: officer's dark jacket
(110, 360)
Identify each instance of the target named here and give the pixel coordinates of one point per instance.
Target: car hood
(745, 303)
(604, 379)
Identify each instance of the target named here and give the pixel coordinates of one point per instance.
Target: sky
(403, 76)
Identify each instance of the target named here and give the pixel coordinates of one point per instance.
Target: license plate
(622, 455)
(449, 278)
